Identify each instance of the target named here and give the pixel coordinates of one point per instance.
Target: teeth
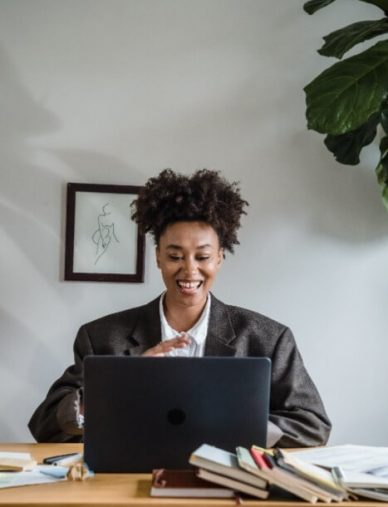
(189, 285)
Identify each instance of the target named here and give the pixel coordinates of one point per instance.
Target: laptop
(143, 413)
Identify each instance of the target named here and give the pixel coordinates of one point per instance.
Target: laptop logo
(176, 416)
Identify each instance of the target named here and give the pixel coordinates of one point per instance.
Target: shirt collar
(197, 333)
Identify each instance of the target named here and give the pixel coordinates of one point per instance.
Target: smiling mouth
(189, 285)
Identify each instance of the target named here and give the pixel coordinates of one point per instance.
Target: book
(234, 484)
(16, 461)
(312, 473)
(277, 477)
(374, 493)
(185, 483)
(246, 461)
(352, 479)
(323, 493)
(223, 462)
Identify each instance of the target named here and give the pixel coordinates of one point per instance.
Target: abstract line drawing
(102, 243)
(105, 232)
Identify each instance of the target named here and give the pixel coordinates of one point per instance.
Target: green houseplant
(349, 100)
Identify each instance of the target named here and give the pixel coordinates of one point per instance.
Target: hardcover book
(185, 483)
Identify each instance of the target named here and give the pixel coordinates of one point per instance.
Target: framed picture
(103, 244)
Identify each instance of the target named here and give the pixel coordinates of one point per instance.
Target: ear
(220, 257)
(157, 255)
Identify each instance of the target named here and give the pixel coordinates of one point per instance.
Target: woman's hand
(162, 348)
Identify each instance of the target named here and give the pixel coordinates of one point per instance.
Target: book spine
(266, 462)
(259, 459)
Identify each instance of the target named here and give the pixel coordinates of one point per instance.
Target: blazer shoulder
(243, 318)
(123, 321)
(257, 334)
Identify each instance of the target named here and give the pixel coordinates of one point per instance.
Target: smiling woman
(189, 256)
(193, 220)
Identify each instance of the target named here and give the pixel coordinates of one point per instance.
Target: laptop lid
(143, 413)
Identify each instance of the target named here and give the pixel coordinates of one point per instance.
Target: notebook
(143, 413)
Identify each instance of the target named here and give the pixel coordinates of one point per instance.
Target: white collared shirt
(197, 333)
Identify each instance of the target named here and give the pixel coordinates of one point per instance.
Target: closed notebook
(16, 461)
(185, 483)
(234, 484)
(223, 462)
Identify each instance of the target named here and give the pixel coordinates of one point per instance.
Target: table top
(105, 490)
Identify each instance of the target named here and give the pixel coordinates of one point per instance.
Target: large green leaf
(314, 5)
(347, 147)
(384, 119)
(382, 170)
(339, 42)
(382, 4)
(345, 95)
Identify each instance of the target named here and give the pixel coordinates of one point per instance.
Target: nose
(190, 265)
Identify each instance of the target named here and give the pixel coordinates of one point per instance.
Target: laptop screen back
(143, 413)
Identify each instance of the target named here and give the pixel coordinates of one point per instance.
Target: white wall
(114, 91)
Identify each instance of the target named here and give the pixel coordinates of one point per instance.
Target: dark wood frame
(136, 277)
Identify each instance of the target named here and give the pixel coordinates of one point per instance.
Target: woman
(193, 220)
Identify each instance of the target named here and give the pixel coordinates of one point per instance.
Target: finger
(166, 346)
(184, 338)
(160, 349)
(181, 344)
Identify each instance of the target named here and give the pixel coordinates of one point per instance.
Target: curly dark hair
(204, 196)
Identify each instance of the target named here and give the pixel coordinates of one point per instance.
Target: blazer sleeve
(296, 407)
(55, 420)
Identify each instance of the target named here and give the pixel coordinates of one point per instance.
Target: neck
(182, 318)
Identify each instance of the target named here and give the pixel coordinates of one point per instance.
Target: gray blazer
(295, 406)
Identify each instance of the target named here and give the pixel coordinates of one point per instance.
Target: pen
(63, 459)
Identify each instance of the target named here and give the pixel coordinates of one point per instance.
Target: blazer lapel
(219, 340)
(146, 332)
(220, 335)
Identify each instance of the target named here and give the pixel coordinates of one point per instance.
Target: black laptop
(143, 413)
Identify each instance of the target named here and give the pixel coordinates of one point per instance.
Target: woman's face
(189, 257)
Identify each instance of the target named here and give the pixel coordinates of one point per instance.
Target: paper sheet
(41, 474)
(356, 458)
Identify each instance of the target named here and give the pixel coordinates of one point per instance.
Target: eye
(174, 258)
(203, 257)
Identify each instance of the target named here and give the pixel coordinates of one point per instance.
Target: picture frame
(102, 243)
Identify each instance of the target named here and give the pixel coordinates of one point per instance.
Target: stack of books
(218, 473)
(303, 480)
(264, 468)
(223, 468)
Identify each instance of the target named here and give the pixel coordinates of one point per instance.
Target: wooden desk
(107, 490)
